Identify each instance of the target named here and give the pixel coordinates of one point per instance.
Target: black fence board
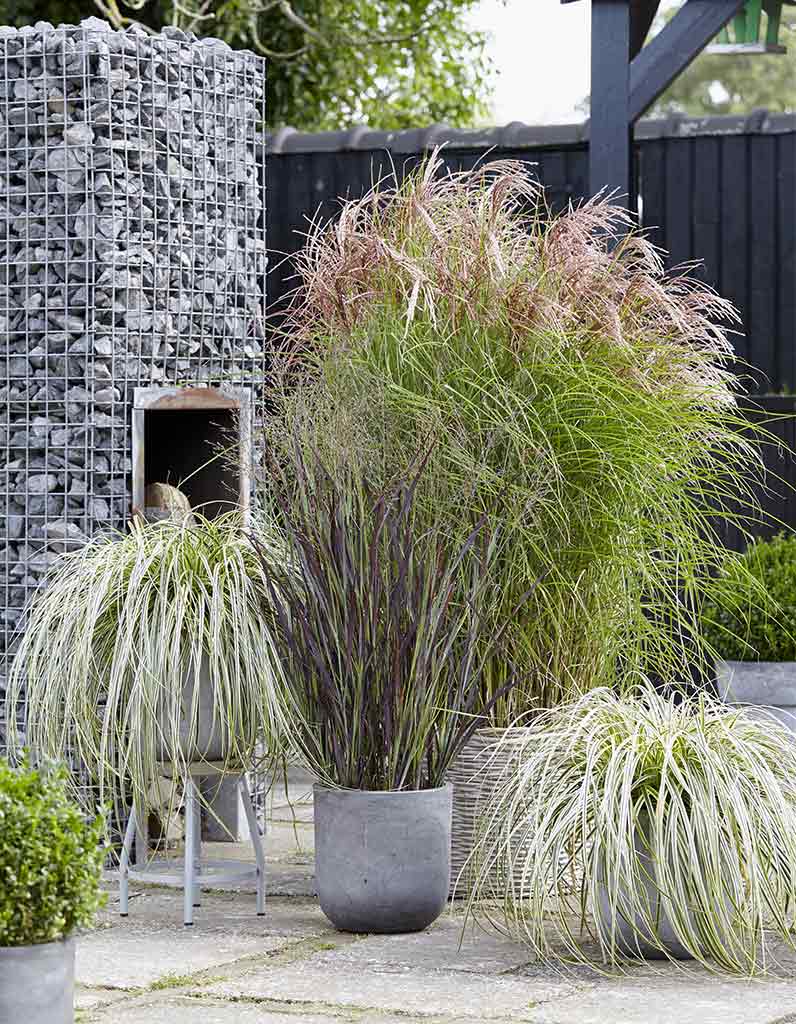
(786, 260)
(733, 283)
(761, 309)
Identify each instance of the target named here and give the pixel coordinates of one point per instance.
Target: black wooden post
(611, 127)
(626, 76)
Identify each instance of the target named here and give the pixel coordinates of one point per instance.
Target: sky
(541, 51)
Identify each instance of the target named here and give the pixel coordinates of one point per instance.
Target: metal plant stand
(194, 875)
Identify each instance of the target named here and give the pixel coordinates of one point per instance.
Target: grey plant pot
(37, 983)
(767, 684)
(624, 922)
(212, 737)
(382, 859)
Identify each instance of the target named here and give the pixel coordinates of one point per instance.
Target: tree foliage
(736, 83)
(390, 63)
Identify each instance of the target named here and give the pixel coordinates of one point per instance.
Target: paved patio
(291, 967)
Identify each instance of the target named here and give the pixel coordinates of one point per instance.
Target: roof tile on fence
(517, 135)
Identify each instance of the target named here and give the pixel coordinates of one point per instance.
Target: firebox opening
(195, 450)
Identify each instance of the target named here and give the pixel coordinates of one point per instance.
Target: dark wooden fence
(720, 192)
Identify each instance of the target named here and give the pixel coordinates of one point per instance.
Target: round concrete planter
(767, 684)
(37, 983)
(631, 937)
(212, 741)
(382, 859)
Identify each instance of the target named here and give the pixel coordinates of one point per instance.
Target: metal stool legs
(192, 872)
(257, 843)
(124, 864)
(189, 860)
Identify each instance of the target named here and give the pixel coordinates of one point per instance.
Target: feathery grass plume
(111, 637)
(382, 630)
(594, 787)
(576, 395)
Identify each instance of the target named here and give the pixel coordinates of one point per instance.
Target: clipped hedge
(757, 617)
(50, 858)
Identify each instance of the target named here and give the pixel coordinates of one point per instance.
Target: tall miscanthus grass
(121, 624)
(380, 626)
(595, 787)
(577, 396)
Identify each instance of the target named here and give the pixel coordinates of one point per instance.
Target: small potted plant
(384, 667)
(668, 821)
(50, 869)
(151, 648)
(753, 628)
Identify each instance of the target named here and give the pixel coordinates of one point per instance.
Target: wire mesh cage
(132, 253)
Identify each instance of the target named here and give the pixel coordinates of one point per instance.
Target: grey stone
(64, 534)
(40, 483)
(15, 526)
(99, 509)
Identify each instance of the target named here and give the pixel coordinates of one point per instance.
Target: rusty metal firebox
(197, 439)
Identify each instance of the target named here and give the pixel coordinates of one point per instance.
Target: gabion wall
(132, 253)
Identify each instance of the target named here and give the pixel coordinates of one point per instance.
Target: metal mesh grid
(132, 253)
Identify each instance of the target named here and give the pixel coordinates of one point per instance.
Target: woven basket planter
(475, 773)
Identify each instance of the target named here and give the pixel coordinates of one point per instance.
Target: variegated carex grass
(595, 786)
(576, 395)
(111, 638)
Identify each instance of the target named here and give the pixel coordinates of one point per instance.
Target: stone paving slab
(136, 957)
(292, 967)
(94, 998)
(152, 944)
(676, 1000)
(184, 1010)
(445, 946)
(458, 995)
(190, 1010)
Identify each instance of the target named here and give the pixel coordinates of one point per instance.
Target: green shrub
(755, 619)
(50, 858)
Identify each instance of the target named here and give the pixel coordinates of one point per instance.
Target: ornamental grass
(572, 393)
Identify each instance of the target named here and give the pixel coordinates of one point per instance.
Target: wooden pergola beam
(627, 76)
(672, 50)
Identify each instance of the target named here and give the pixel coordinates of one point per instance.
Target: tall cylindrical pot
(382, 859)
(37, 983)
(476, 774)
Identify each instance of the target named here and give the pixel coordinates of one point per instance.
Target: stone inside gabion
(132, 253)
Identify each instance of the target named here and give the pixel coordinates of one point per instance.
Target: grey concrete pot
(382, 859)
(37, 983)
(631, 936)
(768, 684)
(212, 737)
